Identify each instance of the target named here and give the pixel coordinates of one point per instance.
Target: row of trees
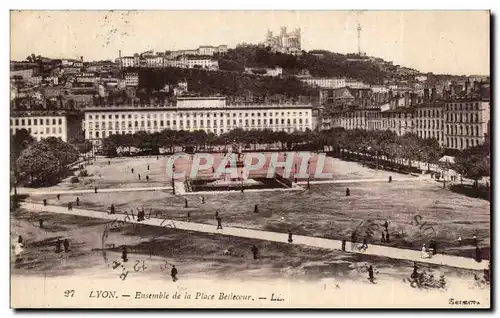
(40, 162)
(474, 162)
(371, 144)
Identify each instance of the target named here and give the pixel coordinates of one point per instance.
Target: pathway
(377, 250)
(105, 190)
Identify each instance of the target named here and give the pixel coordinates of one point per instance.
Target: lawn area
(195, 254)
(325, 211)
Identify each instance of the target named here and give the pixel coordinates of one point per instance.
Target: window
(117, 116)
(17, 122)
(47, 121)
(60, 130)
(29, 122)
(35, 122)
(22, 122)
(90, 116)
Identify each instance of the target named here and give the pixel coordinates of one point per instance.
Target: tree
(41, 166)
(474, 162)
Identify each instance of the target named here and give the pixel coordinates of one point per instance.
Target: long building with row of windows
(211, 114)
(457, 123)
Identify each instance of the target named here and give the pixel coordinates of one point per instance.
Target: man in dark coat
(343, 245)
(66, 245)
(347, 192)
(112, 209)
(70, 206)
(290, 240)
(132, 170)
(219, 223)
(365, 244)
(58, 197)
(147, 178)
(77, 201)
(256, 209)
(95, 189)
(44, 202)
(124, 255)
(173, 273)
(371, 278)
(255, 252)
(185, 203)
(58, 246)
(478, 254)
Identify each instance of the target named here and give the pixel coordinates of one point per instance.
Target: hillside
(319, 63)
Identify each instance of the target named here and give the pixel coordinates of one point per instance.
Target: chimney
(426, 94)
(433, 94)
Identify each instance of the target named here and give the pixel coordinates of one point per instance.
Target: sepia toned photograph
(250, 159)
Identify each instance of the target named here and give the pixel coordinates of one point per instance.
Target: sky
(450, 42)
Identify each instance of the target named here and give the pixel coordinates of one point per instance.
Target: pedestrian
(148, 167)
(124, 254)
(95, 189)
(44, 202)
(474, 239)
(58, 196)
(424, 253)
(20, 239)
(308, 185)
(66, 245)
(371, 278)
(109, 163)
(255, 252)
(173, 273)
(219, 223)
(157, 158)
(216, 214)
(189, 216)
(58, 246)
(353, 240)
(112, 209)
(460, 240)
(202, 200)
(256, 209)
(40, 223)
(390, 179)
(343, 245)
(414, 274)
(147, 178)
(77, 201)
(132, 170)
(241, 189)
(386, 225)
(70, 206)
(185, 202)
(383, 237)
(387, 236)
(347, 192)
(290, 240)
(478, 254)
(434, 247)
(139, 176)
(364, 245)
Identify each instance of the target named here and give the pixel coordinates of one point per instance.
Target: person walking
(109, 163)
(343, 245)
(77, 201)
(58, 246)
(44, 202)
(290, 240)
(478, 254)
(148, 167)
(58, 197)
(70, 206)
(147, 178)
(371, 277)
(20, 239)
(364, 245)
(124, 254)
(390, 179)
(202, 200)
(256, 209)
(255, 252)
(95, 189)
(139, 176)
(347, 192)
(185, 203)
(383, 237)
(189, 216)
(173, 273)
(386, 225)
(132, 170)
(219, 223)
(112, 209)
(66, 245)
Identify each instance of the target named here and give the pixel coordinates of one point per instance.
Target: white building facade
(210, 114)
(41, 126)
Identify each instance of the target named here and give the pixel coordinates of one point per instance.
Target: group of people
(65, 245)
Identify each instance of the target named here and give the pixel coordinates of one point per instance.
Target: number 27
(69, 293)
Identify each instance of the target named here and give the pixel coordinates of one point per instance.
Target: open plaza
(317, 212)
